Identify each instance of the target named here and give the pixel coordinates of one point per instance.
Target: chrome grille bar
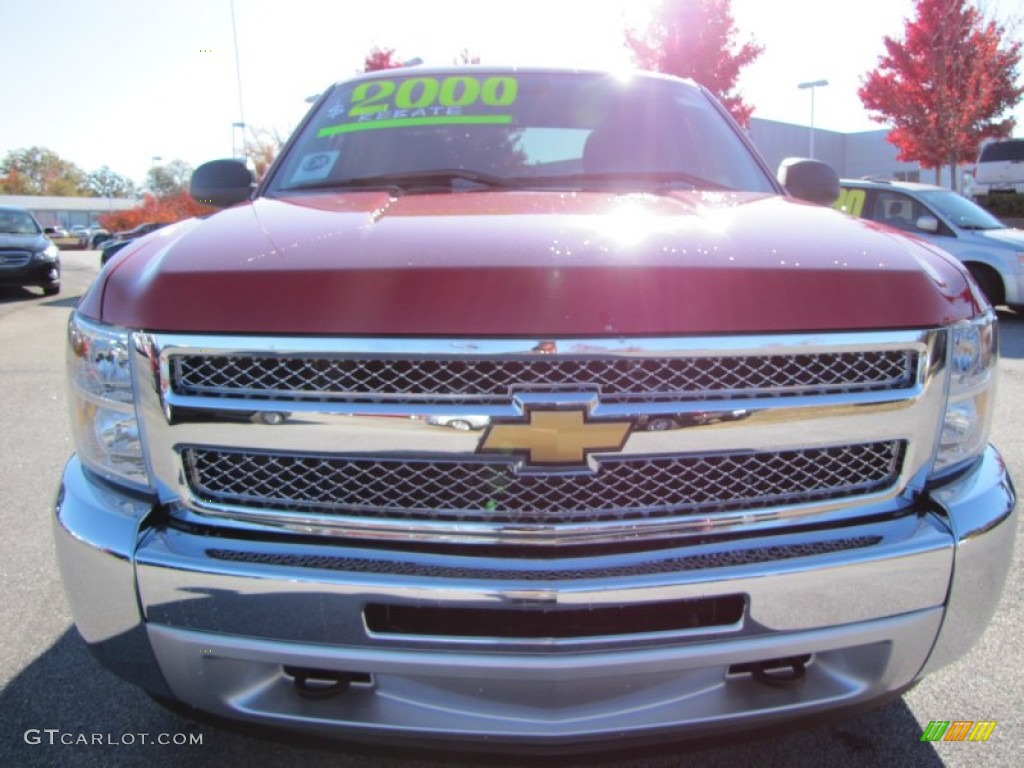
(493, 380)
(14, 259)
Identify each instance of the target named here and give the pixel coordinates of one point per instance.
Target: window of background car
(961, 211)
(529, 128)
(18, 223)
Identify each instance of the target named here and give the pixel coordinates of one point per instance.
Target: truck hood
(528, 263)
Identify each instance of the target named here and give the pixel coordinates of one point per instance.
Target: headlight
(973, 354)
(103, 419)
(48, 254)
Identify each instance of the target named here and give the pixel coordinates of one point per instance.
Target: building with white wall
(853, 155)
(68, 212)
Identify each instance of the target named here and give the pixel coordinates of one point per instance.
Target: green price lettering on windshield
(418, 101)
(373, 97)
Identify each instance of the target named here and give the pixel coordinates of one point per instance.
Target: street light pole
(812, 85)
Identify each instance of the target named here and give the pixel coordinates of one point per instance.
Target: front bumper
(39, 273)
(213, 622)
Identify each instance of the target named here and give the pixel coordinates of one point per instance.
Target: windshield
(17, 223)
(482, 129)
(961, 211)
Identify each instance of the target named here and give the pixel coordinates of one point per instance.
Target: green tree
(945, 86)
(40, 171)
(696, 39)
(170, 179)
(105, 183)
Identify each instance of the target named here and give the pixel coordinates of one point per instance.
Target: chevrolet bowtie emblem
(562, 437)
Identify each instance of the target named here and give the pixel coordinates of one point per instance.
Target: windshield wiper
(408, 180)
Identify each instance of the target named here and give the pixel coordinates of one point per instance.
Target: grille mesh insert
(530, 572)
(474, 491)
(491, 380)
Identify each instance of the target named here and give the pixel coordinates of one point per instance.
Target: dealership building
(853, 155)
(68, 212)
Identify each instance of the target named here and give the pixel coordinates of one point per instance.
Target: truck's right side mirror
(221, 183)
(810, 180)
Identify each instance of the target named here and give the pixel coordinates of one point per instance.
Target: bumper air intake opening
(776, 673)
(323, 683)
(556, 621)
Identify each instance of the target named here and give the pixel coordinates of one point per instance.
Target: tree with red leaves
(696, 39)
(945, 86)
(380, 58)
(167, 209)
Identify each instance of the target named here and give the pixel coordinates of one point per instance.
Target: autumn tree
(380, 58)
(169, 209)
(696, 39)
(40, 171)
(945, 86)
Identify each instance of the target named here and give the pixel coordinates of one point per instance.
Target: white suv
(1000, 168)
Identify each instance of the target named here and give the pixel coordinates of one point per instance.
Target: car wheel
(989, 282)
(660, 424)
(461, 425)
(271, 417)
(51, 290)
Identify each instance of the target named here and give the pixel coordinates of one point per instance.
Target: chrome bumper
(169, 610)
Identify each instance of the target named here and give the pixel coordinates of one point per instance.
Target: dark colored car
(27, 257)
(120, 239)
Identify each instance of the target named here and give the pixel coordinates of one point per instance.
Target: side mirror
(221, 183)
(49, 230)
(809, 180)
(927, 224)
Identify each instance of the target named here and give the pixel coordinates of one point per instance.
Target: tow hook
(780, 673)
(323, 683)
(786, 672)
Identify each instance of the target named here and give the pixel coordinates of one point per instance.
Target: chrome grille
(472, 490)
(14, 259)
(482, 380)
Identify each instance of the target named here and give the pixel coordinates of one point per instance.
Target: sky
(133, 83)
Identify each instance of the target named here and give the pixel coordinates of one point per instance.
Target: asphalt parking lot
(53, 691)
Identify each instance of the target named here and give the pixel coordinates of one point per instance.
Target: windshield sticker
(315, 167)
(416, 101)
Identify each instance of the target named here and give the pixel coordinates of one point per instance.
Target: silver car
(991, 251)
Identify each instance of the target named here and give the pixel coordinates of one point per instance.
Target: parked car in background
(1000, 168)
(120, 239)
(460, 422)
(60, 237)
(93, 236)
(27, 256)
(990, 250)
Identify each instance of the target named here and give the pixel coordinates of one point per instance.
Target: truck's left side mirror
(221, 183)
(810, 180)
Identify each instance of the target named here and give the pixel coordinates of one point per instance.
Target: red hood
(536, 264)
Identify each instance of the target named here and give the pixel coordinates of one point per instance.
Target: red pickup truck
(568, 257)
